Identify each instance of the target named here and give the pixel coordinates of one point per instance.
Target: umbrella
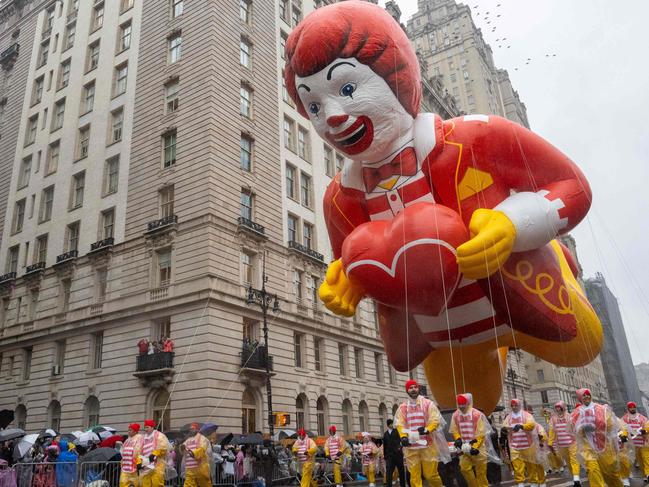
(86, 438)
(69, 437)
(6, 417)
(250, 439)
(226, 439)
(100, 455)
(103, 431)
(186, 427)
(208, 429)
(11, 433)
(310, 434)
(283, 434)
(47, 433)
(110, 441)
(23, 446)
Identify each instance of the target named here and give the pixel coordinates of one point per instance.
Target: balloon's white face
(354, 109)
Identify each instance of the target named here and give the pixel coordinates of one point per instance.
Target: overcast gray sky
(591, 101)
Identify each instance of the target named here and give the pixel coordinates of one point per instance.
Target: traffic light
(282, 419)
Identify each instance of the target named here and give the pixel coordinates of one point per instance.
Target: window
(59, 113)
(245, 10)
(49, 20)
(282, 44)
(72, 237)
(125, 5)
(37, 93)
(32, 127)
(164, 267)
(297, 285)
(285, 96)
(307, 234)
(245, 53)
(340, 162)
(121, 73)
(358, 362)
(248, 411)
(248, 268)
(54, 415)
(107, 223)
(27, 363)
(289, 134)
(117, 124)
(64, 74)
(292, 228)
(330, 169)
(283, 10)
(378, 367)
(298, 339)
(290, 181)
(175, 48)
(343, 359)
(465, 74)
(167, 201)
(53, 158)
(19, 216)
(301, 410)
(246, 153)
(303, 144)
(318, 353)
(172, 89)
(363, 416)
(44, 53)
(246, 204)
(21, 410)
(125, 36)
(296, 15)
(176, 8)
(305, 190)
(88, 100)
(59, 357)
(25, 172)
(169, 148)
(246, 101)
(64, 294)
(77, 189)
(47, 198)
(322, 413)
(12, 259)
(347, 417)
(41, 249)
(70, 32)
(93, 56)
(111, 175)
(84, 142)
(96, 349)
(98, 17)
(540, 375)
(91, 412)
(544, 397)
(313, 291)
(161, 329)
(101, 284)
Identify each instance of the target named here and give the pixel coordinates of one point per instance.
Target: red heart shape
(408, 262)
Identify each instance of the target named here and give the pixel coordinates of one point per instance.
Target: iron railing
(162, 222)
(249, 224)
(101, 244)
(155, 361)
(255, 357)
(71, 254)
(292, 244)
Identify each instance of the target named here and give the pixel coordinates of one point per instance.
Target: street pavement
(555, 481)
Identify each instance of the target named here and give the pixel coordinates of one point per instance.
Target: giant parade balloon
(450, 226)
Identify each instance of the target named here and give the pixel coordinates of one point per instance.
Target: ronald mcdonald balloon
(450, 226)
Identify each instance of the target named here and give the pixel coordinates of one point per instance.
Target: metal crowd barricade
(67, 474)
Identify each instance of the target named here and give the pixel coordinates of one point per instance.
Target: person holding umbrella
(197, 466)
(335, 448)
(131, 450)
(305, 449)
(154, 454)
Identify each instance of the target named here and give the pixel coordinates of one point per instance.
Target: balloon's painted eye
(348, 89)
(314, 108)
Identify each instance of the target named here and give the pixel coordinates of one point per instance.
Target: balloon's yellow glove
(492, 239)
(338, 293)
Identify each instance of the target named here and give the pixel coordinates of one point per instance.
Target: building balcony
(156, 369)
(38, 266)
(9, 276)
(298, 247)
(164, 223)
(251, 228)
(104, 244)
(70, 255)
(253, 364)
(72, 16)
(9, 55)
(46, 34)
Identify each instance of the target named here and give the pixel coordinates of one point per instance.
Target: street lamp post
(264, 300)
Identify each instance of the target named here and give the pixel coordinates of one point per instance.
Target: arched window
(91, 411)
(250, 410)
(161, 409)
(395, 408)
(363, 416)
(322, 411)
(383, 417)
(20, 417)
(302, 411)
(348, 418)
(54, 416)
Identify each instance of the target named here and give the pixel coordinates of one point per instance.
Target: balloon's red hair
(354, 29)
